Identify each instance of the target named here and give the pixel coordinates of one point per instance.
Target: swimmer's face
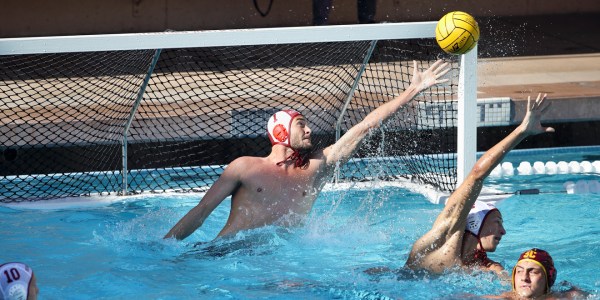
(300, 134)
(492, 231)
(530, 279)
(33, 291)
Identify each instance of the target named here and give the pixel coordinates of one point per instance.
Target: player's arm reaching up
(347, 145)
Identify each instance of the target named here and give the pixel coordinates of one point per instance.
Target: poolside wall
(569, 134)
(69, 17)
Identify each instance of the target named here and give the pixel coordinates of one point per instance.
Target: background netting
(63, 116)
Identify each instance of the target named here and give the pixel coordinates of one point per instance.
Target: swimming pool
(115, 250)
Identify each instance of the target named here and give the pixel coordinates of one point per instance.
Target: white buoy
(574, 167)
(508, 169)
(551, 167)
(563, 167)
(539, 168)
(569, 187)
(524, 168)
(497, 171)
(586, 167)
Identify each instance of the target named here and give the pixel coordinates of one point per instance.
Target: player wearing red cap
(533, 277)
(282, 187)
(534, 274)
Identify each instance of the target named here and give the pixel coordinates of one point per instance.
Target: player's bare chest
(290, 185)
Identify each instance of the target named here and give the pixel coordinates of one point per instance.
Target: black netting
(63, 116)
(61, 121)
(420, 141)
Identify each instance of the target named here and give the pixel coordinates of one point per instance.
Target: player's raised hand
(426, 79)
(532, 121)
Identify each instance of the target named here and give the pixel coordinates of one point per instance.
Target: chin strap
(295, 158)
(481, 255)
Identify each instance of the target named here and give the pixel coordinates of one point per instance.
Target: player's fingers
(442, 73)
(539, 98)
(441, 67)
(442, 80)
(436, 64)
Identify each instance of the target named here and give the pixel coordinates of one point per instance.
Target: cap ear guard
(477, 216)
(280, 133)
(17, 291)
(279, 127)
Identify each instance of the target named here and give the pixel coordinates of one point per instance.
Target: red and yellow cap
(543, 259)
(279, 126)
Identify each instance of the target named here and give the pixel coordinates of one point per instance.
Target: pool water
(116, 250)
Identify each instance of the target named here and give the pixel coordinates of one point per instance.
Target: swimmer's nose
(526, 277)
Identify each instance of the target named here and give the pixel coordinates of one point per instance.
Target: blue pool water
(115, 250)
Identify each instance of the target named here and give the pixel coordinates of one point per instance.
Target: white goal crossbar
(212, 38)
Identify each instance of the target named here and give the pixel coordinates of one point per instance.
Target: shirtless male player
(264, 190)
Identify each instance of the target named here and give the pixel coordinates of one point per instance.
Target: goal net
(122, 114)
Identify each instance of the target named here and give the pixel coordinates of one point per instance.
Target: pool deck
(557, 55)
(572, 83)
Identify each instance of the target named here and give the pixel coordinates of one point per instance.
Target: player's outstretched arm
(343, 149)
(531, 125)
(465, 195)
(449, 226)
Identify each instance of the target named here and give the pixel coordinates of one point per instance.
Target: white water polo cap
(279, 126)
(477, 216)
(14, 281)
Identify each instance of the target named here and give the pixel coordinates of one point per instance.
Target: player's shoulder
(244, 164)
(247, 160)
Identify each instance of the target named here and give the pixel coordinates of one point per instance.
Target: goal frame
(467, 89)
